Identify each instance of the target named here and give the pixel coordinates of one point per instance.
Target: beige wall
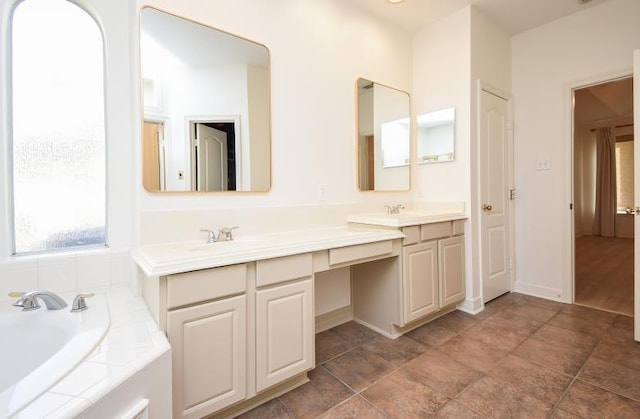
(589, 46)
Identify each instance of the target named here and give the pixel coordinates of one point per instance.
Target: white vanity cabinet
(207, 328)
(209, 356)
(284, 319)
(240, 334)
(420, 280)
(433, 268)
(451, 270)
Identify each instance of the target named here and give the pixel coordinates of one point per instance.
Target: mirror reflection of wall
(436, 136)
(383, 137)
(206, 107)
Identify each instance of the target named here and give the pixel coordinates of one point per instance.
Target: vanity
(240, 316)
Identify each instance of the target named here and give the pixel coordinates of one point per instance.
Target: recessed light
(395, 1)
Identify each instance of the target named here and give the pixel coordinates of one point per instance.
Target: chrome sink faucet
(225, 234)
(29, 301)
(394, 209)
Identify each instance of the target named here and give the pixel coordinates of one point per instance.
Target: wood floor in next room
(522, 357)
(604, 273)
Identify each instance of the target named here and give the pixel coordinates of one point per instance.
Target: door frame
(568, 285)
(198, 119)
(477, 210)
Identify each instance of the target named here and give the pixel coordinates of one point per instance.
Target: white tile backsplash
(58, 274)
(93, 270)
(69, 272)
(18, 276)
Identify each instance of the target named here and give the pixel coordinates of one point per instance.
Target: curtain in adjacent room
(605, 212)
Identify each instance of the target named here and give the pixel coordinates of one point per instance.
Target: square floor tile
(563, 358)
(401, 395)
(359, 368)
(611, 376)
(539, 382)
(589, 401)
(472, 352)
(439, 371)
(317, 396)
(395, 351)
(496, 399)
(329, 344)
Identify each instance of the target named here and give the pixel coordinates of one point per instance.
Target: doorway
(603, 162)
(214, 155)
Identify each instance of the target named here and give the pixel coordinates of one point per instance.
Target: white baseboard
(538, 291)
(471, 306)
(334, 318)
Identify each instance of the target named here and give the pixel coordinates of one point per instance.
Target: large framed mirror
(206, 101)
(383, 137)
(436, 136)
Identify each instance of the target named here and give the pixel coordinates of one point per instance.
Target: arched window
(58, 127)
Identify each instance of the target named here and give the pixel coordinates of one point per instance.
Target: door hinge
(571, 206)
(512, 194)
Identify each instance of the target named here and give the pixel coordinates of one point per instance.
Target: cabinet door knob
(486, 207)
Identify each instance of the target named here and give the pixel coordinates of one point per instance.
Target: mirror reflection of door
(367, 163)
(153, 176)
(213, 156)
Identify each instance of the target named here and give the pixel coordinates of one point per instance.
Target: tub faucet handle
(79, 304)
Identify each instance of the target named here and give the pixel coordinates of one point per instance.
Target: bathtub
(40, 347)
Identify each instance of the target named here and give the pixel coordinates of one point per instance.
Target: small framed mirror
(436, 136)
(383, 128)
(206, 101)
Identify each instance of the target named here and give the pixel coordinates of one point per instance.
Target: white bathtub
(42, 346)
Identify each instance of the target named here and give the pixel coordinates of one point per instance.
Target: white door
(636, 192)
(494, 196)
(211, 159)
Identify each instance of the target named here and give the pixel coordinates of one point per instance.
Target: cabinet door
(451, 270)
(208, 344)
(284, 332)
(420, 280)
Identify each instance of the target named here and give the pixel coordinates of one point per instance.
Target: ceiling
(604, 101)
(513, 16)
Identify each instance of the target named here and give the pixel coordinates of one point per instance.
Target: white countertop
(406, 218)
(171, 258)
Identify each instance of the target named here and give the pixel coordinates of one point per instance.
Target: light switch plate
(543, 164)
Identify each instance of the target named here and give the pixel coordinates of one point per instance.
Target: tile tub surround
(521, 357)
(131, 344)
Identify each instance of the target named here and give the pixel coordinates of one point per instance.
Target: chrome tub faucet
(29, 301)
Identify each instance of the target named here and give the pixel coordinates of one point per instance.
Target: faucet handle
(226, 233)
(79, 304)
(212, 235)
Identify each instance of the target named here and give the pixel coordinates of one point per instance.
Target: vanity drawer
(412, 234)
(360, 251)
(435, 230)
(272, 271)
(207, 284)
(458, 227)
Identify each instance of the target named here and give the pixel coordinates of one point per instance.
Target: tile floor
(522, 357)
